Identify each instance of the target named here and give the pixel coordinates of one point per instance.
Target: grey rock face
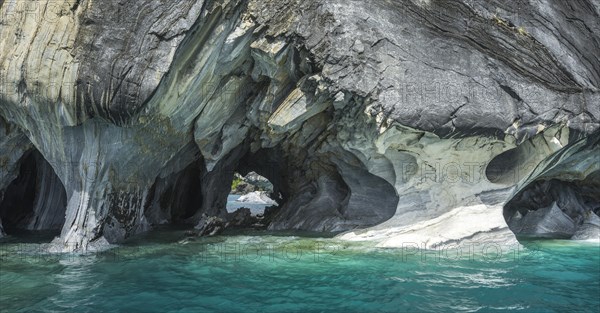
(210, 226)
(589, 230)
(562, 193)
(549, 222)
(242, 217)
(358, 112)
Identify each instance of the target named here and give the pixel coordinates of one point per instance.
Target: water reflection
(76, 283)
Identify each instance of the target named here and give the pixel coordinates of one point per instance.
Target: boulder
(589, 229)
(548, 222)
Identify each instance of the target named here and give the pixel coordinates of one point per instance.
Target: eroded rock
(381, 114)
(210, 226)
(589, 229)
(561, 195)
(242, 217)
(549, 222)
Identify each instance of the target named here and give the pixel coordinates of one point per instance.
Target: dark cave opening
(554, 208)
(248, 187)
(36, 200)
(16, 207)
(193, 194)
(269, 164)
(563, 200)
(176, 198)
(266, 166)
(322, 194)
(502, 168)
(184, 201)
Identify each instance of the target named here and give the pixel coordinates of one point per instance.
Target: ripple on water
(254, 273)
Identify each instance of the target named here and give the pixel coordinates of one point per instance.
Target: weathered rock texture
(359, 112)
(562, 195)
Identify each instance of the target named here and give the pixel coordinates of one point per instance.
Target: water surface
(264, 272)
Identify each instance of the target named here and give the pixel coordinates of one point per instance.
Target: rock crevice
(380, 114)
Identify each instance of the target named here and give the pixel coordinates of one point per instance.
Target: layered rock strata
(383, 114)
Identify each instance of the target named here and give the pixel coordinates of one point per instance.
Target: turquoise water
(261, 272)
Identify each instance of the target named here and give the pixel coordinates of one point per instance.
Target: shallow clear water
(261, 272)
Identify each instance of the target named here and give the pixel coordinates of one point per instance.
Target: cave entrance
(258, 188)
(555, 208)
(36, 200)
(251, 191)
(194, 195)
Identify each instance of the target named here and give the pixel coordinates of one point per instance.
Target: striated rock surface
(396, 116)
(561, 197)
(589, 229)
(545, 222)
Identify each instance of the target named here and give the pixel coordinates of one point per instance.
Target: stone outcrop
(589, 229)
(383, 115)
(550, 222)
(561, 197)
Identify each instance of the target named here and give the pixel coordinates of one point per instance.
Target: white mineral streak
(419, 135)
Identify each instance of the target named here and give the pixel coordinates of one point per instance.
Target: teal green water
(267, 273)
